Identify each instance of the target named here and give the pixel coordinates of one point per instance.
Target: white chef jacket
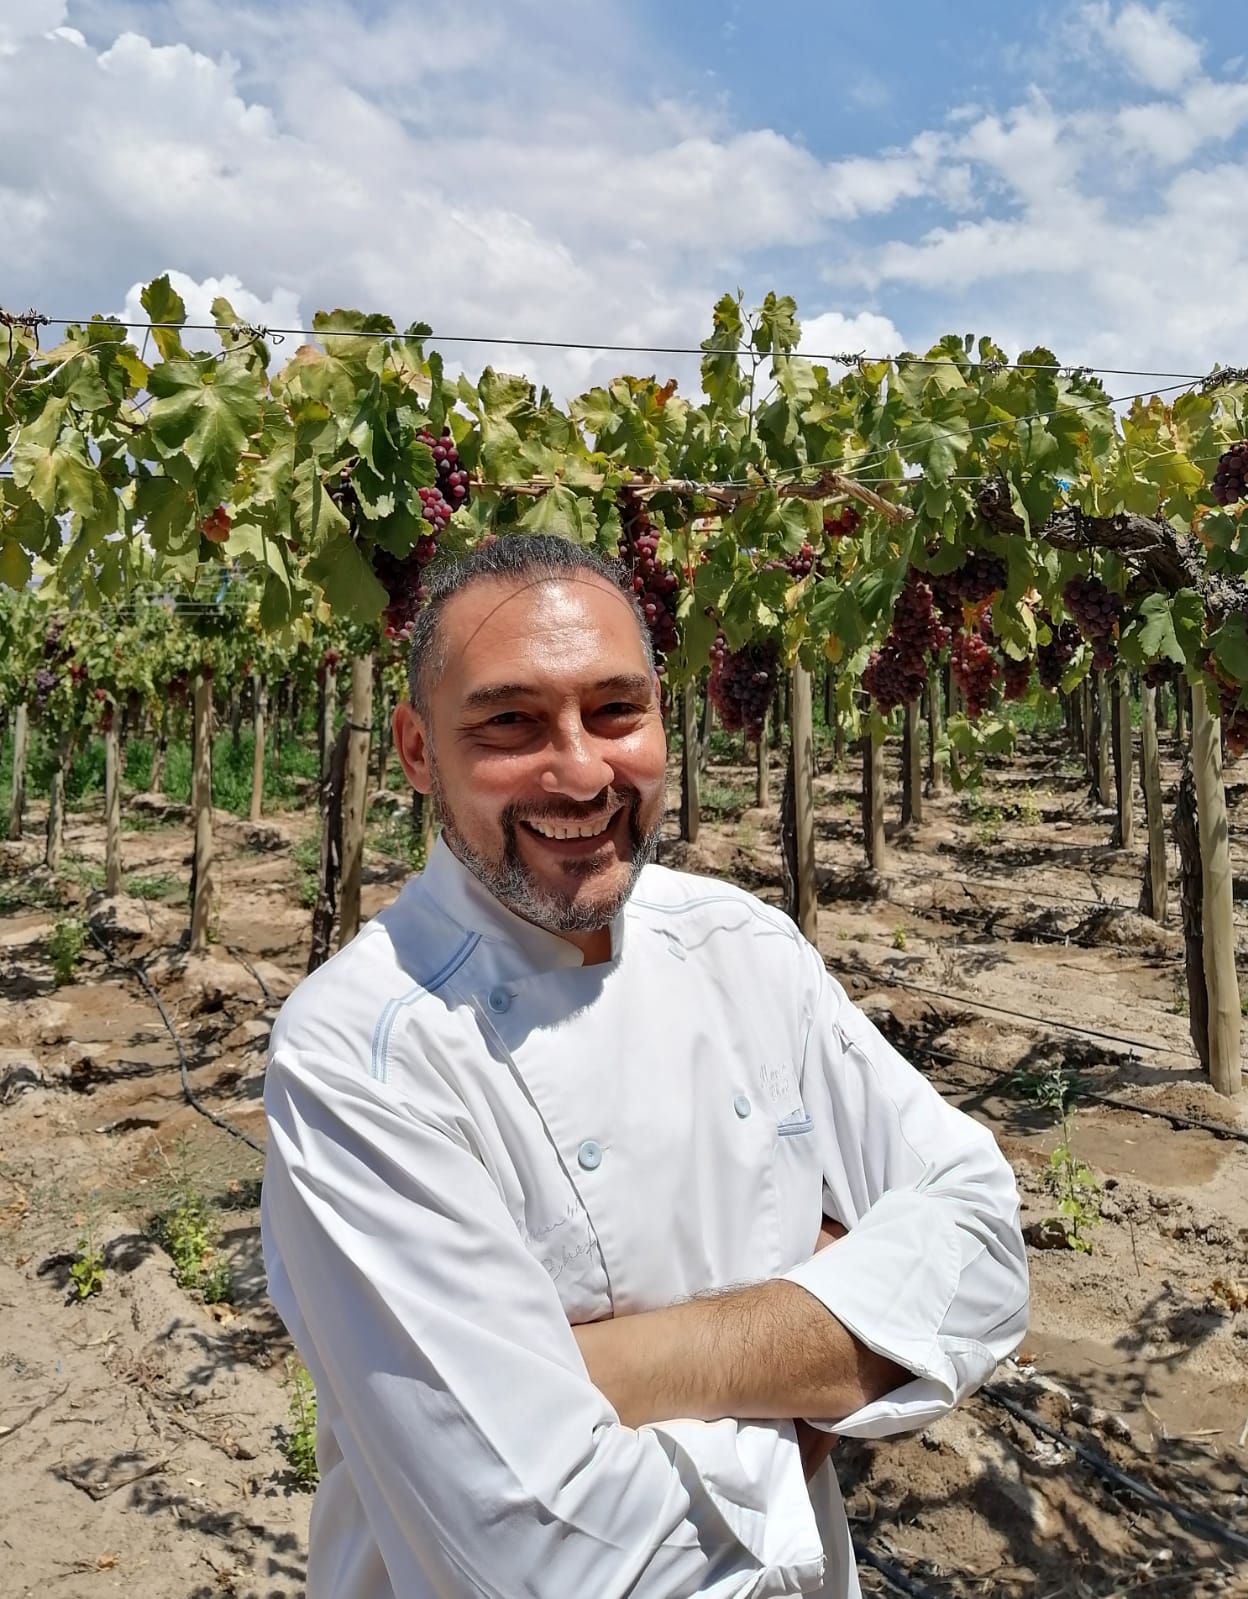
(476, 1141)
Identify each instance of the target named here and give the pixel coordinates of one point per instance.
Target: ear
(411, 743)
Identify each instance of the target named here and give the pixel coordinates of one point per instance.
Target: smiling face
(544, 749)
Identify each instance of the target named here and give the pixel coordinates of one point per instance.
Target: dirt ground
(140, 1429)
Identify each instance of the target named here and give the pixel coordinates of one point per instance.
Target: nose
(575, 766)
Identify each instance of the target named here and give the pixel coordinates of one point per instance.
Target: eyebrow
(482, 699)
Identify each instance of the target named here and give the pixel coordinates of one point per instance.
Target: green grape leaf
(205, 412)
(347, 580)
(59, 478)
(164, 304)
(1164, 627)
(1230, 647)
(15, 565)
(564, 513)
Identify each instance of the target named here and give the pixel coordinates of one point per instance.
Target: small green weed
(1075, 1185)
(86, 1270)
(297, 1440)
(899, 938)
(306, 855)
(87, 874)
(65, 948)
(393, 836)
(189, 1233)
(1029, 808)
(723, 801)
(160, 887)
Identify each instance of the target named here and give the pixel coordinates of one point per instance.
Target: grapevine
(1053, 658)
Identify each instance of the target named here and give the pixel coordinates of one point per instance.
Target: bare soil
(140, 1429)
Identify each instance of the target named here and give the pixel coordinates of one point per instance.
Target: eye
(620, 708)
(507, 719)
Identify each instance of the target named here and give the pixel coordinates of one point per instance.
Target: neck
(595, 946)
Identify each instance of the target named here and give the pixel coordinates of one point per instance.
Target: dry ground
(139, 1430)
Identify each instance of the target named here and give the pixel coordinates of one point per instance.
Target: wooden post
(325, 717)
(202, 875)
(912, 766)
(355, 796)
(156, 784)
(1122, 745)
(383, 729)
(762, 786)
(873, 800)
(690, 797)
(54, 847)
(708, 724)
(1180, 711)
(1104, 743)
(21, 739)
(801, 710)
(112, 810)
(1217, 904)
(258, 708)
(1154, 893)
(829, 698)
(935, 771)
(236, 719)
(953, 705)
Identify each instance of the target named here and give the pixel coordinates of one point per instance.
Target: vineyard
(954, 657)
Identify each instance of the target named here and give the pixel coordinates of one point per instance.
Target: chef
(594, 1207)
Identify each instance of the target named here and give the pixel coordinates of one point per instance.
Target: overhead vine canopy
(330, 480)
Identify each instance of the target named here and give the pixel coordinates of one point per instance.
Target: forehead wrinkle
(517, 591)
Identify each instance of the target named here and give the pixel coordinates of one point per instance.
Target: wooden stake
(1104, 743)
(803, 735)
(17, 803)
(762, 786)
(325, 717)
(202, 884)
(355, 797)
(935, 771)
(873, 802)
(1154, 894)
(157, 782)
(1217, 905)
(912, 766)
(1122, 745)
(54, 847)
(690, 797)
(258, 707)
(112, 810)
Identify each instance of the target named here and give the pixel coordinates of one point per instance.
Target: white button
(741, 1105)
(590, 1155)
(499, 1000)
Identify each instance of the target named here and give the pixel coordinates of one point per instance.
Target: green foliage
(1075, 1185)
(86, 1270)
(306, 855)
(157, 887)
(65, 946)
(297, 1440)
(189, 1233)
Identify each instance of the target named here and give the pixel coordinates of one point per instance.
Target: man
(556, 1145)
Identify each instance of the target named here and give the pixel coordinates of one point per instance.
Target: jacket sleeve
(456, 1394)
(933, 1271)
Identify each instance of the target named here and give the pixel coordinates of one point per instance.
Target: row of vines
(194, 522)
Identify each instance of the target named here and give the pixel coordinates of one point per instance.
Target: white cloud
(1148, 42)
(28, 19)
(834, 333)
(280, 310)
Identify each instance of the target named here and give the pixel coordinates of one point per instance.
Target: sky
(1072, 173)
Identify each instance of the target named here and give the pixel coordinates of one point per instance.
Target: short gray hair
(513, 557)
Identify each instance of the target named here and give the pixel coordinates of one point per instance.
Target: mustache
(611, 799)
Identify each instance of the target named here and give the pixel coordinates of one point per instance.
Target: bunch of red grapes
(842, 523)
(1016, 676)
(897, 671)
(654, 584)
(1053, 658)
(1158, 674)
(400, 575)
(1098, 613)
(797, 566)
(1230, 481)
(329, 663)
(978, 578)
(974, 669)
(743, 684)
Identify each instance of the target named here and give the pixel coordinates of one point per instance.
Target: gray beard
(510, 882)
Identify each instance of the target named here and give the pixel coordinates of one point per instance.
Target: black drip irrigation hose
(1193, 1520)
(191, 1097)
(1196, 1123)
(894, 1576)
(269, 997)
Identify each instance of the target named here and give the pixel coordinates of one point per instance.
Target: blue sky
(1072, 172)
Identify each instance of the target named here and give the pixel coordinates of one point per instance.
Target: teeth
(564, 830)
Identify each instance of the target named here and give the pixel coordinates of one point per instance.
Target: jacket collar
(459, 894)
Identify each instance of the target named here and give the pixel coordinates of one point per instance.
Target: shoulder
(692, 909)
(339, 1012)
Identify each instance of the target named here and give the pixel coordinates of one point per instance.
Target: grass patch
(306, 855)
(392, 835)
(159, 887)
(724, 801)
